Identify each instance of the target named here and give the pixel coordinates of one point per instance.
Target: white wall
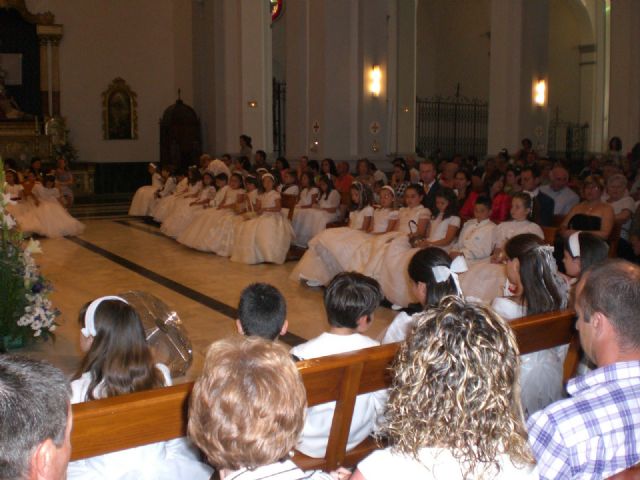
(453, 47)
(146, 42)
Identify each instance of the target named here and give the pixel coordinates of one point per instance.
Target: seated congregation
(457, 369)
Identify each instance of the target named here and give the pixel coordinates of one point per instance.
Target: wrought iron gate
(279, 117)
(567, 140)
(451, 125)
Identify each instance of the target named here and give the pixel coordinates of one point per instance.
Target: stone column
(519, 56)
(624, 86)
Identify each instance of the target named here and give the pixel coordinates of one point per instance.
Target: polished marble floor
(121, 253)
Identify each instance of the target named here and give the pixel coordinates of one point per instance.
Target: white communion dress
(165, 202)
(143, 197)
(184, 214)
(49, 218)
(308, 222)
(158, 461)
(265, 238)
(170, 203)
(485, 280)
(330, 251)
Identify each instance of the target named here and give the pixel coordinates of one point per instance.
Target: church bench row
(127, 421)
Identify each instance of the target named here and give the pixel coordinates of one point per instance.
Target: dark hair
(615, 143)
(35, 159)
(262, 311)
(49, 178)
(450, 196)
(418, 188)
(332, 166)
(405, 169)
(350, 296)
(119, 357)
(246, 139)
(493, 178)
(326, 179)
(222, 176)
(535, 171)
(365, 195)
(262, 153)
(194, 175)
(283, 161)
(526, 141)
(245, 163)
(483, 200)
(210, 175)
(250, 179)
(227, 156)
(544, 290)
(312, 182)
(239, 177)
(527, 201)
(34, 407)
(613, 289)
(465, 172)
(313, 165)
(593, 250)
(420, 271)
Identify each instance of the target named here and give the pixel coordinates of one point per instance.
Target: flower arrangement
(25, 309)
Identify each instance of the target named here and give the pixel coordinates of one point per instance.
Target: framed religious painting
(119, 112)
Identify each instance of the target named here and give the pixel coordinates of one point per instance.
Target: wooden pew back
(288, 201)
(118, 423)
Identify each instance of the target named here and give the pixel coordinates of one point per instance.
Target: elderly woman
(247, 410)
(454, 409)
(592, 214)
(623, 206)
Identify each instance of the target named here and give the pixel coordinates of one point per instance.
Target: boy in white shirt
(350, 300)
(475, 240)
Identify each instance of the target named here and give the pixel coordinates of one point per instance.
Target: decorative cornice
(46, 18)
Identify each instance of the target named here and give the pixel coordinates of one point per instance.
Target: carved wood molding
(46, 18)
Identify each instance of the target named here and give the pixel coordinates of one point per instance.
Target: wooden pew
(118, 423)
(632, 473)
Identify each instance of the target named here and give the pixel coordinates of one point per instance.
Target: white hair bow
(89, 329)
(443, 273)
(574, 244)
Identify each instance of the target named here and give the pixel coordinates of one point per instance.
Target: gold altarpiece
(27, 137)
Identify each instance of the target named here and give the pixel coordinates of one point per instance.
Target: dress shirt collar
(609, 374)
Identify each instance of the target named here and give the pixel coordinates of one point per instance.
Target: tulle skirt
(222, 237)
(50, 219)
(182, 216)
(309, 222)
(266, 238)
(541, 381)
(196, 233)
(142, 201)
(168, 205)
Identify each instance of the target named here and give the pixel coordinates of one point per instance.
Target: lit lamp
(540, 93)
(375, 81)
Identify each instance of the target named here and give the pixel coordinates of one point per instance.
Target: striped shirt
(595, 433)
(286, 470)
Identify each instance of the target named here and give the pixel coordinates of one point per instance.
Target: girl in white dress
(143, 197)
(433, 276)
(536, 287)
(330, 252)
(160, 207)
(191, 210)
(49, 218)
(267, 237)
(183, 195)
(168, 188)
(309, 222)
(486, 278)
(389, 261)
(445, 226)
(191, 233)
(457, 372)
(12, 187)
(118, 361)
(215, 233)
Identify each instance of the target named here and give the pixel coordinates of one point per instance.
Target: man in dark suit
(543, 204)
(428, 173)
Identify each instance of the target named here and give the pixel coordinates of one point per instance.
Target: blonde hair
(455, 387)
(248, 406)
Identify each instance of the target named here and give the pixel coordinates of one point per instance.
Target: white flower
(6, 199)
(7, 220)
(33, 246)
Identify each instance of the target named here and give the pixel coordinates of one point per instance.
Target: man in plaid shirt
(596, 432)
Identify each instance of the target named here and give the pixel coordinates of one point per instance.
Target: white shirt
(286, 470)
(219, 196)
(440, 226)
(289, 189)
(268, 199)
(332, 201)
(315, 435)
(381, 219)
(306, 196)
(380, 175)
(182, 186)
(14, 191)
(510, 229)
(358, 217)
(399, 328)
(407, 214)
(625, 203)
(217, 167)
(565, 199)
(169, 187)
(476, 239)
(434, 463)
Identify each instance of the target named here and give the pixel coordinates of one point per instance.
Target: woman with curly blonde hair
(454, 407)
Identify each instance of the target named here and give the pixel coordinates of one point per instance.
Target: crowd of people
(40, 197)
(453, 409)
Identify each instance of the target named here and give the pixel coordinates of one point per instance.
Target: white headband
(153, 165)
(89, 329)
(268, 175)
(387, 187)
(574, 244)
(442, 273)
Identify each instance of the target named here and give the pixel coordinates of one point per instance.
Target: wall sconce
(375, 81)
(540, 93)
(252, 104)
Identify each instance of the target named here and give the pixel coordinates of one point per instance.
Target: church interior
(126, 125)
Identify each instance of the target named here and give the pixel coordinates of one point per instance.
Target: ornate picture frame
(119, 112)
